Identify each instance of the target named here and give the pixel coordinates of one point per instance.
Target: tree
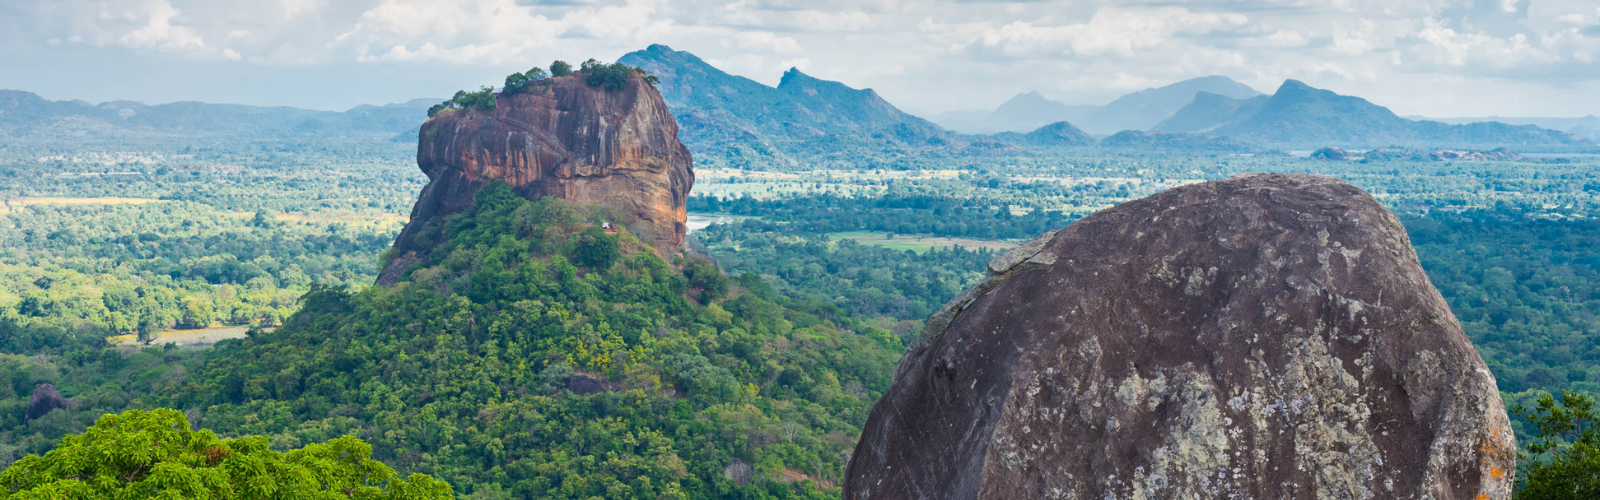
(560, 69)
(197, 313)
(154, 454)
(516, 83)
(148, 328)
(704, 274)
(596, 249)
(1563, 460)
(612, 77)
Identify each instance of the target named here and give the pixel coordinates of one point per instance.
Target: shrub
(154, 454)
(482, 100)
(612, 77)
(1563, 459)
(517, 83)
(560, 68)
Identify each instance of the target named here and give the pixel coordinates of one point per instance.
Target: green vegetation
(895, 212)
(1562, 461)
(508, 368)
(1527, 292)
(93, 271)
(482, 100)
(505, 369)
(154, 454)
(518, 83)
(865, 281)
(560, 69)
(612, 77)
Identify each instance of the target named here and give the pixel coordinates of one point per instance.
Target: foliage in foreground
(154, 454)
(1563, 460)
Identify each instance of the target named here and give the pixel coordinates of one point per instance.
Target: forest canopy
(154, 454)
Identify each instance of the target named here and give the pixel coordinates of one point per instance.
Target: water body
(700, 221)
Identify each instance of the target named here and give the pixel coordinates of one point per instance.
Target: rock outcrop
(44, 400)
(563, 138)
(1264, 336)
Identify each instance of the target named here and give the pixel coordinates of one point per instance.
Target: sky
(1439, 58)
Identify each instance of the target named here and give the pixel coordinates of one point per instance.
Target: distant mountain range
(1300, 115)
(28, 120)
(1585, 126)
(804, 122)
(1136, 111)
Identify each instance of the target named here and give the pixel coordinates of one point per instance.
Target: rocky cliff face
(563, 139)
(1265, 336)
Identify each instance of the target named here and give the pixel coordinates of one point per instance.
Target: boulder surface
(1264, 336)
(44, 400)
(562, 138)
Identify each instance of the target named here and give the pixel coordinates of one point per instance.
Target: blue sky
(1435, 58)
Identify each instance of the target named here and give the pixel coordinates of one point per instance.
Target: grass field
(200, 337)
(919, 243)
(368, 220)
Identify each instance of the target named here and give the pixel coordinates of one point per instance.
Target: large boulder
(44, 400)
(1264, 336)
(562, 138)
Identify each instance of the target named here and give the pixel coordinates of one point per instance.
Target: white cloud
(1112, 31)
(160, 33)
(765, 41)
(924, 54)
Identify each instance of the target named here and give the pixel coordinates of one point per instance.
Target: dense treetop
(154, 454)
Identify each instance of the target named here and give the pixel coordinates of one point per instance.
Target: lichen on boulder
(1264, 336)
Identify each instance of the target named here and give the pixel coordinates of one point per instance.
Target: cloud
(926, 54)
(1120, 32)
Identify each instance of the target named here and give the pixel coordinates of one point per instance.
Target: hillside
(1300, 115)
(519, 360)
(1054, 134)
(734, 121)
(1209, 111)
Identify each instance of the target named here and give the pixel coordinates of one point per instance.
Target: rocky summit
(1264, 336)
(562, 138)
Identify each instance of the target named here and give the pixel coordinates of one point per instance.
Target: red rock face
(1265, 336)
(563, 139)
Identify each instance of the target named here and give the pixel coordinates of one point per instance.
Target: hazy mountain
(1209, 111)
(1589, 121)
(1144, 109)
(1052, 135)
(1299, 115)
(732, 117)
(1023, 112)
(970, 121)
(1587, 127)
(26, 118)
(1587, 132)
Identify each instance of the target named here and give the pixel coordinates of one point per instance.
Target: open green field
(919, 243)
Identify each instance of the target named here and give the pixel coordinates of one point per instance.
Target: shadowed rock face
(563, 139)
(1265, 336)
(44, 400)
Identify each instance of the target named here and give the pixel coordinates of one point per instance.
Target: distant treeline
(909, 214)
